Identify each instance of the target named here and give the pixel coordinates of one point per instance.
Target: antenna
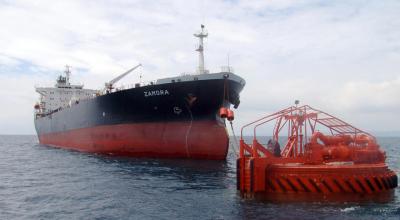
(202, 34)
(67, 73)
(229, 67)
(202, 3)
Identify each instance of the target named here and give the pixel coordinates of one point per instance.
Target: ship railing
(130, 86)
(187, 74)
(51, 85)
(227, 69)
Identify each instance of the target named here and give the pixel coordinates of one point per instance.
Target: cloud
(338, 56)
(370, 97)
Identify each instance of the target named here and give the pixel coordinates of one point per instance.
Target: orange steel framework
(347, 161)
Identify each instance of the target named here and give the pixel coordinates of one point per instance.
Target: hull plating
(199, 140)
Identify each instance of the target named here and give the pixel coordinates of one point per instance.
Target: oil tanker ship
(176, 117)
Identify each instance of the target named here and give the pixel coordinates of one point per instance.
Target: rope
(226, 95)
(236, 142)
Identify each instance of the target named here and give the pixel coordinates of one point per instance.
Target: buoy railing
(301, 122)
(249, 149)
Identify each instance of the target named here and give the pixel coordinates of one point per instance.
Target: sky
(339, 56)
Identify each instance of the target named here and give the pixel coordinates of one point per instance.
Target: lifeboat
(321, 156)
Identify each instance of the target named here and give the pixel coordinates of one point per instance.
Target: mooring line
(234, 137)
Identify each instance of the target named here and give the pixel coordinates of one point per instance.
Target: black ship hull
(176, 119)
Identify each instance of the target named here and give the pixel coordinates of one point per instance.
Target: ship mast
(202, 34)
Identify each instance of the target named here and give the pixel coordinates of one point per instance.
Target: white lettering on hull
(161, 92)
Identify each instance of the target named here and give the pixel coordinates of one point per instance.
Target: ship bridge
(62, 94)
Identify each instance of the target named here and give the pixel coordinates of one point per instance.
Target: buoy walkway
(346, 161)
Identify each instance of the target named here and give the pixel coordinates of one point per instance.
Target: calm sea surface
(39, 182)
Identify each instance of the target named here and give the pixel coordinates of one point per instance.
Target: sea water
(40, 182)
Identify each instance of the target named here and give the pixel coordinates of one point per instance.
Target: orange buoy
(231, 115)
(346, 163)
(223, 112)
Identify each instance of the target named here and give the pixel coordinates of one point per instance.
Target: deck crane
(110, 85)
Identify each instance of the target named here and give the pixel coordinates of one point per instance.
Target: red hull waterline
(195, 140)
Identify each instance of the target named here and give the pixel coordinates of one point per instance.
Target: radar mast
(202, 34)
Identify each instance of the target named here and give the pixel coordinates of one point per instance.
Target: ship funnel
(202, 34)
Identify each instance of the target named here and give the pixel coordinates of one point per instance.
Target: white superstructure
(62, 95)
